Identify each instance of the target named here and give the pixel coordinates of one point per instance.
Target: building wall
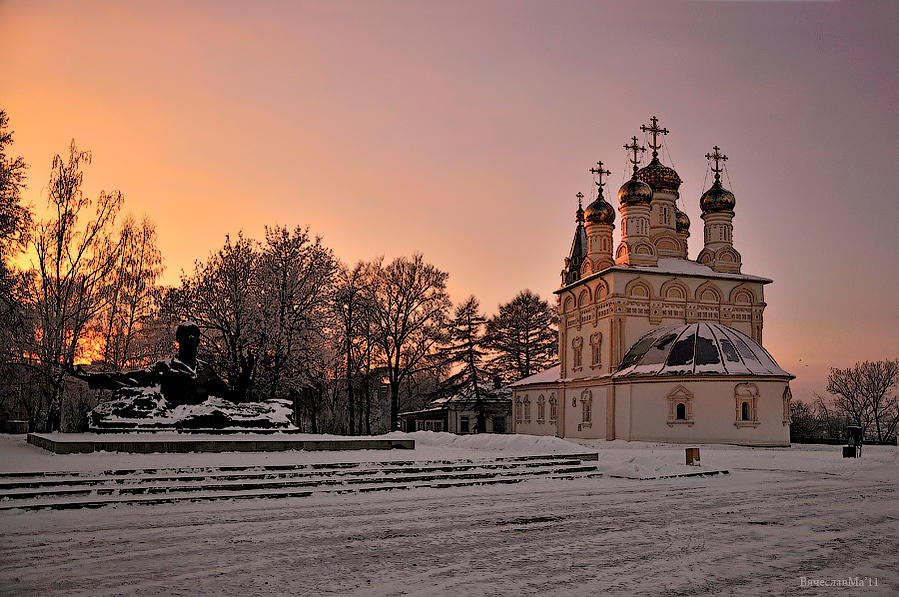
(617, 309)
(526, 410)
(715, 406)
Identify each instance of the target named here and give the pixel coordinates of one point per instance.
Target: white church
(655, 346)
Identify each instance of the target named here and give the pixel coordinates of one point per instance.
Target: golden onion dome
(659, 176)
(635, 192)
(600, 212)
(717, 198)
(681, 221)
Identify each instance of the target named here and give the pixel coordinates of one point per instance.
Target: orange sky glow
(463, 130)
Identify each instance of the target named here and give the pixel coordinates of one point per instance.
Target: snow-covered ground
(782, 519)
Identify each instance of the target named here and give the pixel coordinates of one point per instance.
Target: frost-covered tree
(296, 276)
(127, 328)
(353, 308)
(74, 263)
(221, 296)
(410, 308)
(15, 227)
(523, 337)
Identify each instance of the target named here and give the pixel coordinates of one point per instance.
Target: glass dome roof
(697, 348)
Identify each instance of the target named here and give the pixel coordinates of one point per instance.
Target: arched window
(518, 410)
(587, 406)
(553, 409)
(577, 344)
(747, 404)
(541, 409)
(596, 350)
(527, 409)
(680, 407)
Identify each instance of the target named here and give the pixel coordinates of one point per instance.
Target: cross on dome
(598, 171)
(655, 131)
(634, 148)
(718, 157)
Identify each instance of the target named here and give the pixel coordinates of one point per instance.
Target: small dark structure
(458, 414)
(854, 439)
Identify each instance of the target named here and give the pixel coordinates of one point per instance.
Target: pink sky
(463, 130)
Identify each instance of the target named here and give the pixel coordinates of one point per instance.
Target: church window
(587, 406)
(596, 350)
(746, 396)
(787, 398)
(518, 410)
(541, 409)
(577, 343)
(553, 409)
(680, 407)
(527, 409)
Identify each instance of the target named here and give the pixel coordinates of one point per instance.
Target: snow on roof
(546, 376)
(697, 348)
(676, 266)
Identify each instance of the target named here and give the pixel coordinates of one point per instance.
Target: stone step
(88, 501)
(151, 486)
(147, 486)
(41, 480)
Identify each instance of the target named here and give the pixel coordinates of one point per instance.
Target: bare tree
(221, 296)
(410, 307)
(126, 325)
(16, 224)
(354, 310)
(74, 263)
(862, 392)
(524, 337)
(295, 281)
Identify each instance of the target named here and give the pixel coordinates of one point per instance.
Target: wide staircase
(80, 489)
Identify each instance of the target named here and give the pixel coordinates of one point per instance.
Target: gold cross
(635, 148)
(656, 131)
(599, 171)
(718, 157)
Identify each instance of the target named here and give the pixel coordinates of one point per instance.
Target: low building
(458, 414)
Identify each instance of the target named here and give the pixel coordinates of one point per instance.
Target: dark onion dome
(659, 176)
(681, 221)
(635, 192)
(697, 349)
(600, 211)
(717, 198)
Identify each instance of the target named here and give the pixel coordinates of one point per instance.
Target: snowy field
(782, 519)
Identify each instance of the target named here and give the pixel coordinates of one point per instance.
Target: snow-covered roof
(697, 348)
(546, 376)
(678, 267)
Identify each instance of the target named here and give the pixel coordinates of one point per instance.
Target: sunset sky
(464, 130)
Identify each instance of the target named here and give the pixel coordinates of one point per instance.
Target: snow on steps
(66, 490)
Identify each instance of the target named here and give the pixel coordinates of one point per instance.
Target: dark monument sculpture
(181, 392)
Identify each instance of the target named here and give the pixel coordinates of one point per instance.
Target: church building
(654, 346)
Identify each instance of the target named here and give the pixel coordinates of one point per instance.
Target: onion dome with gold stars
(681, 221)
(635, 191)
(717, 198)
(600, 211)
